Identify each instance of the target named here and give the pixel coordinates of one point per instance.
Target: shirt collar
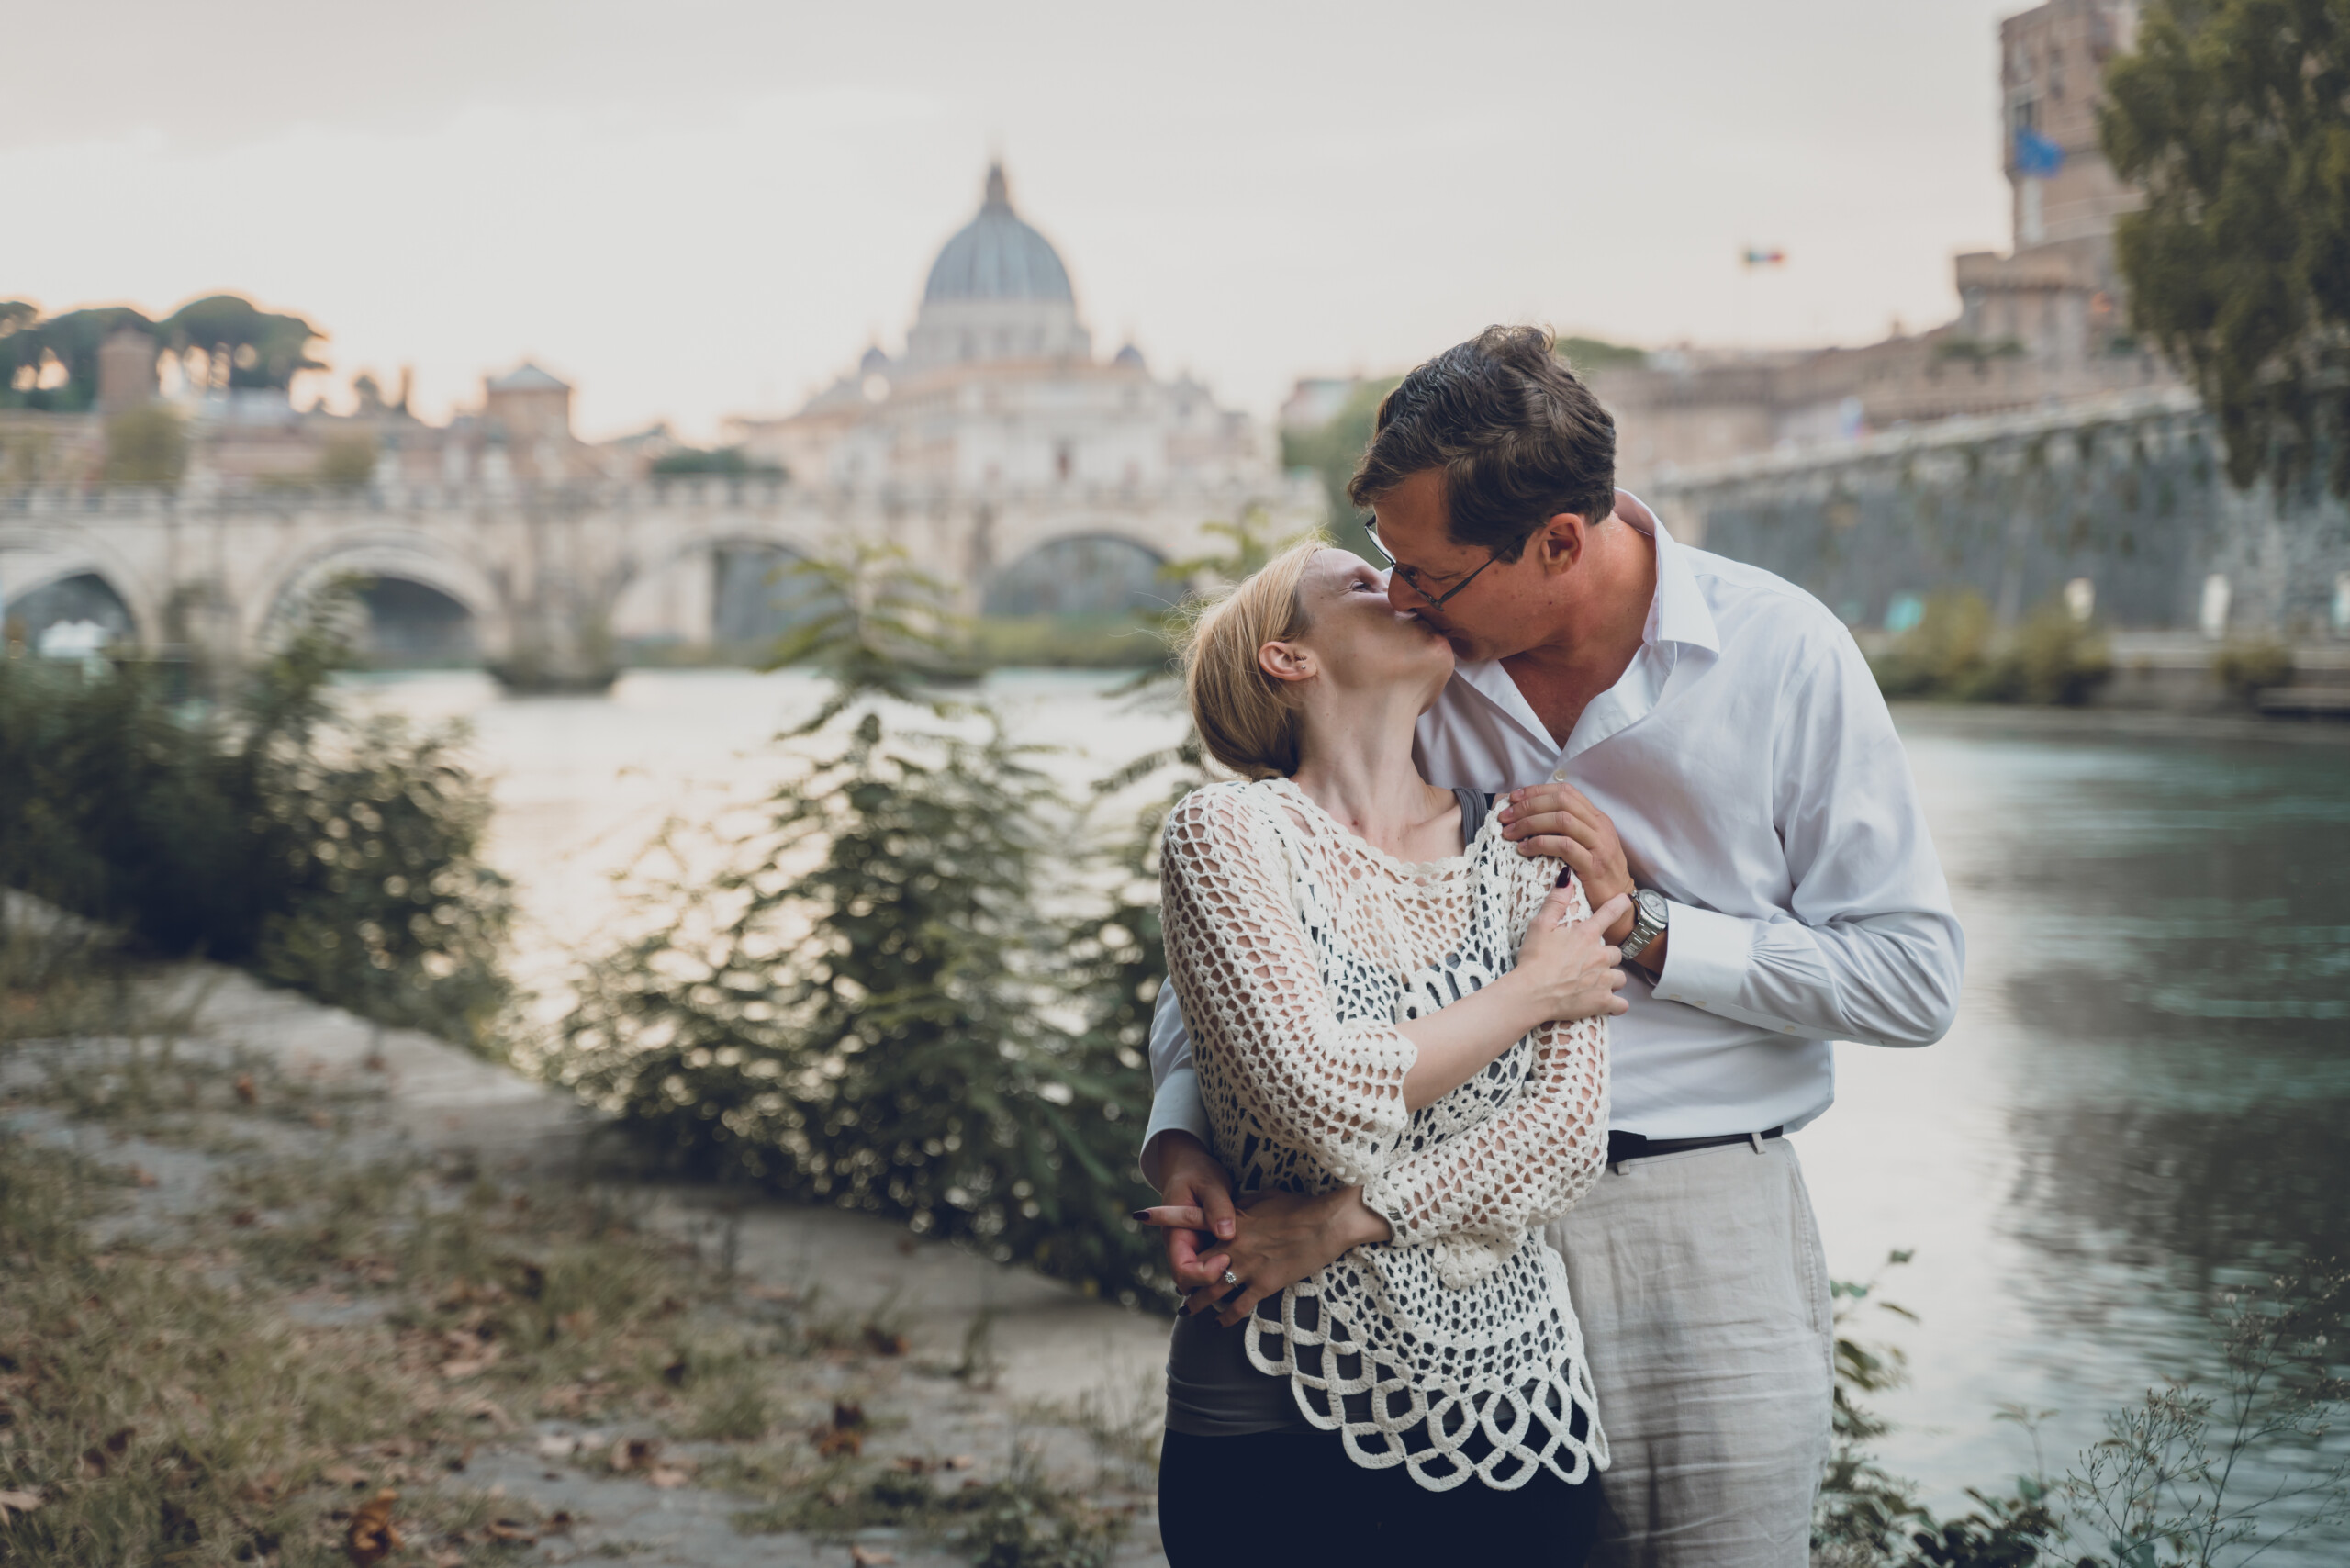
(1679, 612)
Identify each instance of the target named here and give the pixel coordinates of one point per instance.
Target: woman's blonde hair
(1248, 719)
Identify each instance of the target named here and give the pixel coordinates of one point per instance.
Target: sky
(711, 207)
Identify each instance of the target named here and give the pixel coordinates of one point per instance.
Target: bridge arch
(435, 586)
(52, 574)
(718, 589)
(1087, 571)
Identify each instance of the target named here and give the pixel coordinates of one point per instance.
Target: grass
(231, 1376)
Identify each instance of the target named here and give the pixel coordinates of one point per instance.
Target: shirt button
(1558, 779)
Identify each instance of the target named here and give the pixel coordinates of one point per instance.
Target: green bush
(1954, 654)
(891, 999)
(2054, 659)
(2249, 669)
(339, 858)
(146, 445)
(1945, 653)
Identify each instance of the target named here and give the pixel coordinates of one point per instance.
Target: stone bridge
(2117, 503)
(548, 583)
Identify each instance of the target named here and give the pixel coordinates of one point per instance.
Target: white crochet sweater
(1296, 948)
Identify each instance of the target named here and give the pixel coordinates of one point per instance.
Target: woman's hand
(1568, 965)
(1281, 1238)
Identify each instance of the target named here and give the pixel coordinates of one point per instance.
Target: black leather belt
(1622, 1147)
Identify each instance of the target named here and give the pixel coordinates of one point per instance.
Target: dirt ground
(450, 1289)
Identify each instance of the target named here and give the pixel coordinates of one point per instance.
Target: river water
(2148, 1085)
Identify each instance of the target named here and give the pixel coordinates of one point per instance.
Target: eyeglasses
(1412, 575)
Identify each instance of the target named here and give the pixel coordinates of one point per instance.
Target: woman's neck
(1357, 766)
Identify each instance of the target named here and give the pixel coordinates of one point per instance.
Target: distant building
(998, 398)
(2045, 322)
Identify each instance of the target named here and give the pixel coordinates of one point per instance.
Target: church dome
(997, 256)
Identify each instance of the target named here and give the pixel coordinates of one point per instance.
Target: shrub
(1954, 654)
(147, 445)
(1945, 653)
(338, 857)
(2054, 659)
(347, 461)
(876, 1004)
(2249, 669)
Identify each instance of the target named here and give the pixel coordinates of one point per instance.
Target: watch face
(1653, 905)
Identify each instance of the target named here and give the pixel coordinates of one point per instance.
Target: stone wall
(2125, 491)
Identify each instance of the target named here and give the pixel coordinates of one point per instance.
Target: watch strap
(1643, 934)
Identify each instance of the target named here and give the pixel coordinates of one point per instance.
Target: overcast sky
(695, 208)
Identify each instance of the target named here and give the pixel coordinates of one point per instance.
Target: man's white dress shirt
(1754, 775)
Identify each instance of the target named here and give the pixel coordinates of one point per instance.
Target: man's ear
(1286, 661)
(1558, 545)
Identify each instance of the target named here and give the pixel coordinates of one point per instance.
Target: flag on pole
(2036, 156)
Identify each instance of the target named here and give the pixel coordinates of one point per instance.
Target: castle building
(2045, 322)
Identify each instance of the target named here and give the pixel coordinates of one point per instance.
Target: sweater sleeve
(1252, 992)
(1471, 1197)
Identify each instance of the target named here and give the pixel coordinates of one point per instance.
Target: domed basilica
(997, 409)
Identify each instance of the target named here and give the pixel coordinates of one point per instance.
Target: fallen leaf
(552, 1446)
(961, 1461)
(556, 1523)
(344, 1475)
(99, 1457)
(911, 1463)
(883, 1342)
(668, 1478)
(17, 1503)
(509, 1530)
(577, 1324)
(491, 1411)
(451, 1558)
(834, 1441)
(636, 1453)
(868, 1557)
(246, 1093)
(458, 1371)
(245, 1218)
(371, 1535)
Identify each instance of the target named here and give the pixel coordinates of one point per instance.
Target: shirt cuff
(1176, 1107)
(1705, 957)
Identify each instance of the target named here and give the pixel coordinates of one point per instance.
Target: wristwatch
(1650, 915)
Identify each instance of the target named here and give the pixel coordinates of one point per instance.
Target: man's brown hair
(1517, 435)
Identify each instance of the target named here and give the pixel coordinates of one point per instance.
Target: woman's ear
(1286, 661)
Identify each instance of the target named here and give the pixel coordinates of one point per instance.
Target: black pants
(1296, 1497)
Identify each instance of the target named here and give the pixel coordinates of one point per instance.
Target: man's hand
(1556, 819)
(1197, 1189)
(1282, 1238)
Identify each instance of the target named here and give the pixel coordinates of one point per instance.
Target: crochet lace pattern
(1296, 949)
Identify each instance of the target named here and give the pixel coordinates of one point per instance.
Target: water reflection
(2146, 1087)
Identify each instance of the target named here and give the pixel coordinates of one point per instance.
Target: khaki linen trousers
(1703, 1293)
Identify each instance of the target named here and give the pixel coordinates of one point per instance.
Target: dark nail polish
(1139, 1215)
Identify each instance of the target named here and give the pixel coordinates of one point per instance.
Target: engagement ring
(1230, 1278)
